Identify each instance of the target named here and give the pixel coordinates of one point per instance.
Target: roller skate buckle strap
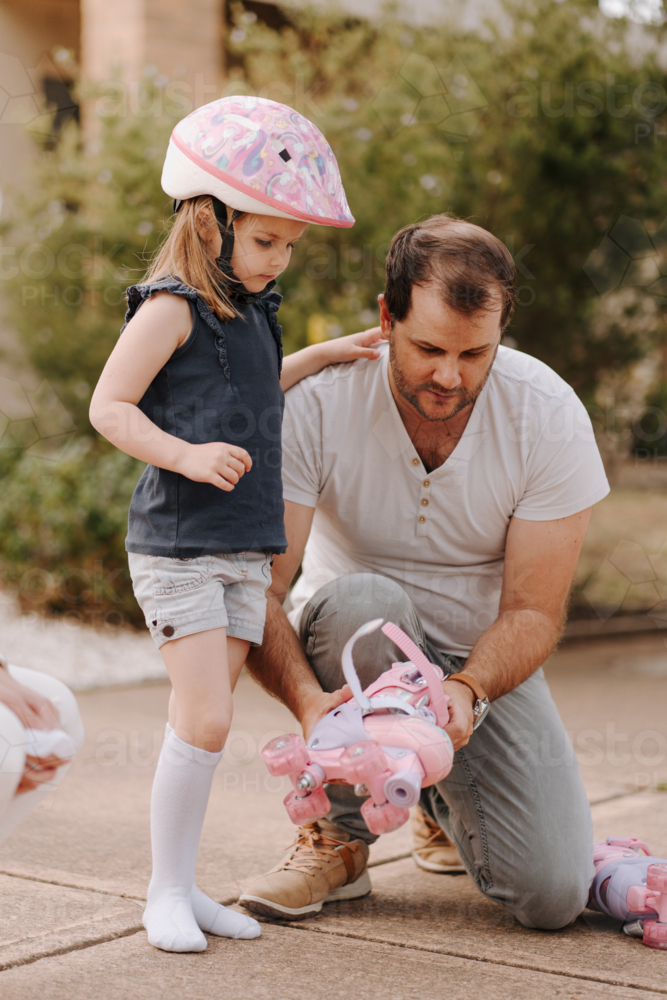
(631, 842)
(439, 700)
(367, 704)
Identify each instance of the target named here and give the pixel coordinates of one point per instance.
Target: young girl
(194, 388)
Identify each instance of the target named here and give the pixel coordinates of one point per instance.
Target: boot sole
(430, 866)
(269, 908)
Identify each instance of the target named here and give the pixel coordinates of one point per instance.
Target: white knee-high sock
(176, 908)
(180, 794)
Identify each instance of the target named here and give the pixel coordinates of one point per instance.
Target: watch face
(480, 710)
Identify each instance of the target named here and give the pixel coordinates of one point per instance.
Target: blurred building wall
(29, 31)
(179, 39)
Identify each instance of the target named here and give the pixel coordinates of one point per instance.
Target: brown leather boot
(321, 866)
(431, 847)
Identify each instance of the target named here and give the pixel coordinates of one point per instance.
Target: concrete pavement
(74, 875)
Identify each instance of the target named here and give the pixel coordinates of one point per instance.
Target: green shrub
(62, 532)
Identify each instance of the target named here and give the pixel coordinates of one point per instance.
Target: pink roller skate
(388, 741)
(632, 887)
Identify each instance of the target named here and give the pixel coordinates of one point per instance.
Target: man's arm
(279, 664)
(540, 560)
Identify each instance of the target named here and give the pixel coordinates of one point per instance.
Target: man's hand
(216, 462)
(32, 710)
(316, 706)
(461, 715)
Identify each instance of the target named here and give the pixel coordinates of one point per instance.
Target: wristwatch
(481, 705)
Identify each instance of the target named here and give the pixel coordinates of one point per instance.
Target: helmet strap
(233, 287)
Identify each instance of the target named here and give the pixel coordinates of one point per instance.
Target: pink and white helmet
(256, 156)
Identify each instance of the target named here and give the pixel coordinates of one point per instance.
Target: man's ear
(385, 318)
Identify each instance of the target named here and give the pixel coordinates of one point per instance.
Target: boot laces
(436, 833)
(312, 849)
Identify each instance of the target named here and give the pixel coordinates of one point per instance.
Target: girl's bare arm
(150, 338)
(313, 359)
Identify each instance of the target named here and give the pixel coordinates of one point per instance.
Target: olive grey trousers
(513, 804)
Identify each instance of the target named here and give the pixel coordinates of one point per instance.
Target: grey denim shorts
(182, 596)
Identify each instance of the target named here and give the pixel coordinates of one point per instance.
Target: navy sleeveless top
(222, 384)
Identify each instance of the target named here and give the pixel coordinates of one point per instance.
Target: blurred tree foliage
(83, 233)
(546, 130)
(649, 439)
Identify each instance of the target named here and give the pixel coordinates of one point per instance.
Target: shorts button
(168, 630)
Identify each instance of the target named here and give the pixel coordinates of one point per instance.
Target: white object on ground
(49, 742)
(14, 808)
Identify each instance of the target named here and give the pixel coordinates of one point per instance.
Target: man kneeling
(447, 488)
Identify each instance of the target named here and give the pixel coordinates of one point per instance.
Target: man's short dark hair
(468, 265)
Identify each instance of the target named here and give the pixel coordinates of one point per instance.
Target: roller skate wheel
(307, 809)
(655, 933)
(362, 761)
(285, 754)
(656, 878)
(384, 818)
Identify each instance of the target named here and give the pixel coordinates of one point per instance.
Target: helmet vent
(284, 155)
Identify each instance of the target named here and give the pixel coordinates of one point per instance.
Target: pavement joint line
(59, 930)
(141, 899)
(388, 861)
(657, 991)
(616, 795)
(73, 885)
(66, 949)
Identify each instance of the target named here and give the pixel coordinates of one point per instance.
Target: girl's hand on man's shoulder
(354, 346)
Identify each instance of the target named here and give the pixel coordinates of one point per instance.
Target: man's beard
(466, 397)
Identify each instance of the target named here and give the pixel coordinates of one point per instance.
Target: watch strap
(475, 686)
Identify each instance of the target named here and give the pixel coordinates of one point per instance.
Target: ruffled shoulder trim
(137, 294)
(270, 304)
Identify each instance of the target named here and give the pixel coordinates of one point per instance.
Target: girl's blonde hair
(186, 255)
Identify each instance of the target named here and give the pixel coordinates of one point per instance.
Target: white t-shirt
(528, 451)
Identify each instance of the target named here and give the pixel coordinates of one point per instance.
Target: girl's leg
(237, 652)
(201, 671)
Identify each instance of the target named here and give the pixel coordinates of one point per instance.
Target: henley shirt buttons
(421, 519)
(415, 461)
(424, 502)
(427, 482)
